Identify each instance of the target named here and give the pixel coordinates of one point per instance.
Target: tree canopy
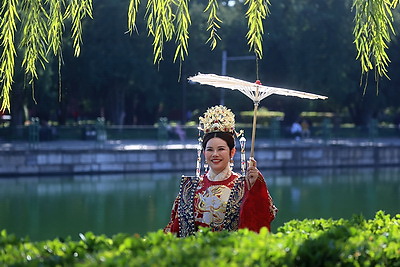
(38, 35)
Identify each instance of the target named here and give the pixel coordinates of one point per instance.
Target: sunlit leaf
(132, 14)
(257, 11)
(372, 31)
(9, 15)
(213, 23)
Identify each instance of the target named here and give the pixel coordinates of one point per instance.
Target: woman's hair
(226, 136)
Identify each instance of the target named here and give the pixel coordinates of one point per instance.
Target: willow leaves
(34, 37)
(372, 31)
(35, 30)
(77, 10)
(39, 26)
(168, 18)
(165, 19)
(257, 11)
(213, 23)
(8, 28)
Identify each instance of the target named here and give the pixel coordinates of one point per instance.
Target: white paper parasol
(255, 91)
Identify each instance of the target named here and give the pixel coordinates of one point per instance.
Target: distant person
(221, 199)
(180, 132)
(295, 130)
(305, 129)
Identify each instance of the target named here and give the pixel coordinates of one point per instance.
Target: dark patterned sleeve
(257, 209)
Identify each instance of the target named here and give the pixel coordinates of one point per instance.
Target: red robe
(221, 205)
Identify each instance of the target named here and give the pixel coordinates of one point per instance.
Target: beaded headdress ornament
(219, 119)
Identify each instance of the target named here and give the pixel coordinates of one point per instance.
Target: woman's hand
(252, 172)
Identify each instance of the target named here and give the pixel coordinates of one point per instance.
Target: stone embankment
(78, 157)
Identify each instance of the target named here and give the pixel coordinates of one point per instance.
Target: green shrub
(327, 242)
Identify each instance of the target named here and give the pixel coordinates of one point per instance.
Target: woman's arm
(257, 209)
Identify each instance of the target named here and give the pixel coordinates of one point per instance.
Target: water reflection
(50, 207)
(335, 193)
(60, 206)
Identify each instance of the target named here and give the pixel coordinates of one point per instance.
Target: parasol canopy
(255, 91)
(248, 88)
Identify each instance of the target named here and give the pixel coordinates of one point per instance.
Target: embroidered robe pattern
(194, 206)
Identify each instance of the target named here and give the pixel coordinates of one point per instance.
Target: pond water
(51, 207)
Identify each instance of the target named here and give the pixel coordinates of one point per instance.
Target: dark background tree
(308, 46)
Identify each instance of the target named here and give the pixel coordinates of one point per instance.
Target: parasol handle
(253, 134)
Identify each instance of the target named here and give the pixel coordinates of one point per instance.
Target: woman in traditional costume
(221, 199)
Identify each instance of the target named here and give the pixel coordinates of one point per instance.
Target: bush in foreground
(355, 242)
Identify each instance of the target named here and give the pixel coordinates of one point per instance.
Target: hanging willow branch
(55, 32)
(132, 15)
(42, 28)
(373, 26)
(55, 26)
(8, 27)
(160, 25)
(182, 27)
(34, 39)
(258, 11)
(77, 11)
(40, 32)
(213, 23)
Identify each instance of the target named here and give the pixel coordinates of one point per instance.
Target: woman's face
(217, 154)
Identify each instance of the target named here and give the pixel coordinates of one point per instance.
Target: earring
(205, 166)
(231, 163)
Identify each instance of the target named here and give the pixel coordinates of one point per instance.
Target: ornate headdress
(219, 119)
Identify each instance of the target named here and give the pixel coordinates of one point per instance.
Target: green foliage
(77, 10)
(34, 37)
(264, 116)
(56, 26)
(303, 31)
(165, 18)
(373, 26)
(256, 13)
(160, 25)
(41, 30)
(183, 23)
(213, 22)
(9, 17)
(319, 242)
(132, 15)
